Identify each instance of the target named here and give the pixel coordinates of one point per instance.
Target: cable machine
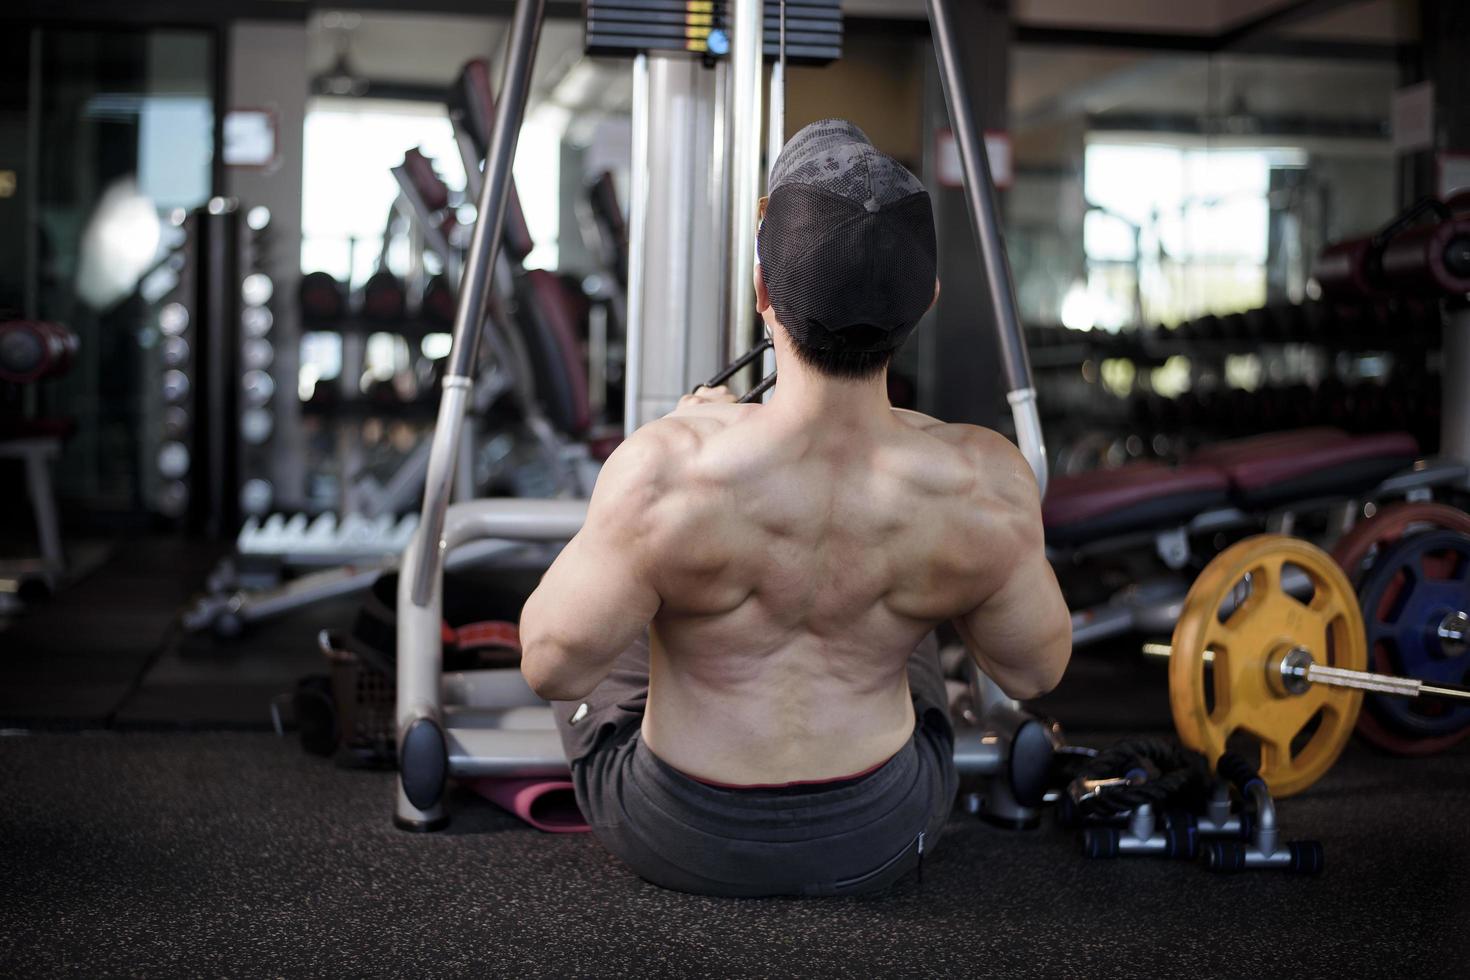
(691, 248)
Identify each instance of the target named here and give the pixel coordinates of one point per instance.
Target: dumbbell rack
(1301, 340)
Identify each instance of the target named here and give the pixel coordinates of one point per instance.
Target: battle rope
(1171, 773)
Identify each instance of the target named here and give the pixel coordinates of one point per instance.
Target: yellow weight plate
(1238, 621)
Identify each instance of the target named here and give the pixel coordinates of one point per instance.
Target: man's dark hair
(839, 362)
(847, 249)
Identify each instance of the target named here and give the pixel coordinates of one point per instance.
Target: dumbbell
(325, 395)
(1369, 407)
(1316, 321)
(1297, 406)
(430, 372)
(384, 392)
(1141, 411)
(1238, 410)
(1220, 418)
(32, 350)
(383, 298)
(1380, 325)
(1190, 410)
(439, 301)
(1331, 404)
(1234, 327)
(1271, 408)
(323, 298)
(1287, 318)
(1260, 324)
(1398, 403)
(1425, 315)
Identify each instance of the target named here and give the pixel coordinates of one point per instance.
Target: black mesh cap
(847, 243)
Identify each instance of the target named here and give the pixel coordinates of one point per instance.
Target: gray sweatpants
(856, 835)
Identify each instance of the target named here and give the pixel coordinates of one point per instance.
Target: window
(351, 146)
(1173, 231)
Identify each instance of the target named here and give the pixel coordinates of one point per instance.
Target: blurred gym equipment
(32, 352)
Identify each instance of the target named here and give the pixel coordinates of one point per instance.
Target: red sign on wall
(947, 169)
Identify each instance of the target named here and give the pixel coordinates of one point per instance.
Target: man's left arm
(597, 597)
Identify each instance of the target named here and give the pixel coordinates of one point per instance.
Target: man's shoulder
(660, 445)
(1002, 489)
(654, 460)
(976, 443)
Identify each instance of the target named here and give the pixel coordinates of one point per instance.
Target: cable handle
(736, 366)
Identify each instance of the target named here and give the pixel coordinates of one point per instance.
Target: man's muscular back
(795, 568)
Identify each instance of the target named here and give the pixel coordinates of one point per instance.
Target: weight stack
(624, 28)
(214, 421)
(175, 370)
(252, 322)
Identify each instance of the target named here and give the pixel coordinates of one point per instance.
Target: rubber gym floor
(155, 826)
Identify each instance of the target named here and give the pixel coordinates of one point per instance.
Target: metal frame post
(1454, 431)
(775, 142)
(474, 290)
(420, 679)
(746, 61)
(984, 216)
(678, 252)
(637, 254)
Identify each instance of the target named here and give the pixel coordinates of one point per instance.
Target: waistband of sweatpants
(781, 815)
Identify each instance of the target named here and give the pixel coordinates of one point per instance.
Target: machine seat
(1134, 497)
(431, 187)
(472, 107)
(1273, 469)
(556, 354)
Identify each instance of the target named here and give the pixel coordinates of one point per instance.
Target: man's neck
(804, 395)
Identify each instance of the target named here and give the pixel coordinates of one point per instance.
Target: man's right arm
(1021, 634)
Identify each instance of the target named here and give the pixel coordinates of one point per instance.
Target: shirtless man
(739, 640)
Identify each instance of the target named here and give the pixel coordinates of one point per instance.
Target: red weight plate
(1387, 526)
(1351, 553)
(1385, 738)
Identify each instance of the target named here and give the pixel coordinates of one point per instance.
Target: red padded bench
(1300, 464)
(1134, 497)
(1261, 471)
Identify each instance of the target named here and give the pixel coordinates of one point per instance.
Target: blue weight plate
(1409, 597)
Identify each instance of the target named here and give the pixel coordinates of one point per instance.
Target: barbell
(1270, 645)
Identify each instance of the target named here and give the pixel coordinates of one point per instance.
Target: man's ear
(936, 293)
(762, 297)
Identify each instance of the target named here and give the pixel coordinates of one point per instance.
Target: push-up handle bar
(474, 292)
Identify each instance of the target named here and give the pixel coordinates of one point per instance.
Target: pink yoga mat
(546, 804)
